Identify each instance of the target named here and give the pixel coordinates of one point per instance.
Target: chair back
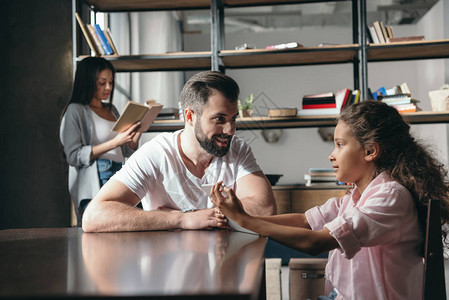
(434, 282)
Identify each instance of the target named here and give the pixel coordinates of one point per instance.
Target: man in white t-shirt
(167, 173)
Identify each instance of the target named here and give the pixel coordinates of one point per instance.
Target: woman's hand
(127, 136)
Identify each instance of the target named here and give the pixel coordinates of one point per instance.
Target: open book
(136, 112)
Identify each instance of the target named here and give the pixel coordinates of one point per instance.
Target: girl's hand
(230, 205)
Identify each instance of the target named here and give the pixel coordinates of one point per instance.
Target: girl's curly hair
(407, 160)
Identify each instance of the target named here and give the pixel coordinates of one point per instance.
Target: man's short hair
(201, 86)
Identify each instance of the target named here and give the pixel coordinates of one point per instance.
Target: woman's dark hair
(199, 87)
(85, 83)
(405, 159)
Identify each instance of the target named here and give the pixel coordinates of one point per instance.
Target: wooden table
(68, 263)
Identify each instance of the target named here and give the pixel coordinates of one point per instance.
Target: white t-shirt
(102, 132)
(158, 176)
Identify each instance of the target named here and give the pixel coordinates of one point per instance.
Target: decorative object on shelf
(273, 178)
(246, 109)
(439, 99)
(326, 133)
(271, 136)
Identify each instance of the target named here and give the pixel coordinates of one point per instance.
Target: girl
(375, 232)
(93, 151)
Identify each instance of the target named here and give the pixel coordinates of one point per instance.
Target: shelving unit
(426, 117)
(358, 54)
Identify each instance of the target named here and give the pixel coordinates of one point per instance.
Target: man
(167, 173)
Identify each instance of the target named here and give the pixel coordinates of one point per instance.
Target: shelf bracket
(363, 66)
(217, 36)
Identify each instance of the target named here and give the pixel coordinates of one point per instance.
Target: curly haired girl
(375, 232)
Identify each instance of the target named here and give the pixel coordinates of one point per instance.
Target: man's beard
(209, 144)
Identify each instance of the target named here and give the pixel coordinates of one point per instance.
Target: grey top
(75, 134)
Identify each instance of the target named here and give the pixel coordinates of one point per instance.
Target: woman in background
(93, 151)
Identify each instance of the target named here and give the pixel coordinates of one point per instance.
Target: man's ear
(372, 152)
(188, 116)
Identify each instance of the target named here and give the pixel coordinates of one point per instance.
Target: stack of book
(291, 45)
(382, 34)
(325, 103)
(321, 176)
(282, 112)
(398, 96)
(100, 41)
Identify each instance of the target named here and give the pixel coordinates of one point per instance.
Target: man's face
(216, 126)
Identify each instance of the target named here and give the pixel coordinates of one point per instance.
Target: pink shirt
(380, 241)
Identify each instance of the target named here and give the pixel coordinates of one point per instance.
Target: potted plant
(246, 108)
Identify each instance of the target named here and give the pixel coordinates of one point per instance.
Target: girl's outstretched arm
(291, 230)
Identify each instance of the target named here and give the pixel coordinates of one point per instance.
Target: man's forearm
(108, 216)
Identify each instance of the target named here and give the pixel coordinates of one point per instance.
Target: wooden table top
(68, 263)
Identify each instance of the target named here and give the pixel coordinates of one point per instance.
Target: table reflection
(173, 262)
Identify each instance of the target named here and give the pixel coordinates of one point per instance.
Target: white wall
(300, 149)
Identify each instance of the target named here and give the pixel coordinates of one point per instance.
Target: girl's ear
(372, 152)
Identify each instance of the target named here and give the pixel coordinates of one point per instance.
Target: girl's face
(104, 85)
(350, 161)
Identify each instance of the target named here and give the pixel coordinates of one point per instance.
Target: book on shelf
(110, 38)
(322, 172)
(103, 41)
(137, 112)
(394, 97)
(322, 96)
(342, 97)
(405, 39)
(404, 108)
(319, 105)
(382, 34)
(326, 44)
(355, 96)
(95, 38)
(319, 112)
(379, 32)
(390, 33)
(384, 31)
(399, 97)
(282, 112)
(291, 45)
(373, 35)
(168, 113)
(379, 92)
(321, 176)
(325, 103)
(87, 35)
